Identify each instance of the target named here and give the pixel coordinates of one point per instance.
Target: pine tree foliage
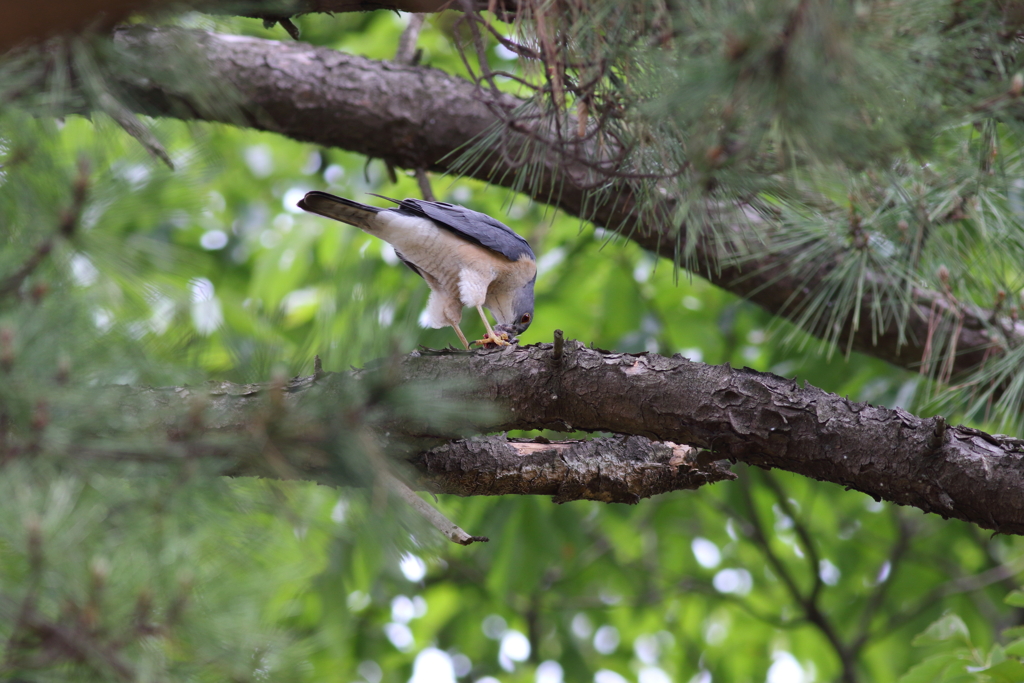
(873, 148)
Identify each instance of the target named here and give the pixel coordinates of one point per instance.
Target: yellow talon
(493, 338)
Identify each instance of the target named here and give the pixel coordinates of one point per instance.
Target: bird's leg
(462, 337)
(490, 337)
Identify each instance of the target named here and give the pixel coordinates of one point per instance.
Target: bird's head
(522, 312)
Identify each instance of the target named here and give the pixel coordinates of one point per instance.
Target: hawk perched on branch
(467, 258)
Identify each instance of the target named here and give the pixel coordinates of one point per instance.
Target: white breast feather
(458, 271)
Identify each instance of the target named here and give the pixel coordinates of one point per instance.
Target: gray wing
(474, 226)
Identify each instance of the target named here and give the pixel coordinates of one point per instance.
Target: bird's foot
(493, 339)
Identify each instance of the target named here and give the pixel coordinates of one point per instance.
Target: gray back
(474, 226)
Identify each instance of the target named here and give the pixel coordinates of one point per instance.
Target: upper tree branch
(418, 117)
(757, 418)
(32, 21)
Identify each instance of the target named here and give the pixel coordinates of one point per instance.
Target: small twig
(386, 481)
(802, 533)
(13, 282)
(291, 28)
(318, 367)
(272, 18)
(958, 586)
(68, 224)
(808, 603)
(106, 101)
(510, 45)
(28, 604)
(559, 346)
(424, 181)
(428, 512)
(471, 16)
(407, 52)
(761, 540)
(946, 373)
(897, 552)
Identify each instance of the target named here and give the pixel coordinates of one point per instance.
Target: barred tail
(340, 209)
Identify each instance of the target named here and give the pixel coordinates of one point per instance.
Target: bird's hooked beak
(516, 321)
(513, 330)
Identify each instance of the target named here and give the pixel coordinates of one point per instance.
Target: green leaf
(1016, 598)
(1010, 671)
(947, 627)
(1016, 648)
(935, 669)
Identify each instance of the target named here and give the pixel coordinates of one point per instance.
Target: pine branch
(738, 415)
(332, 99)
(67, 227)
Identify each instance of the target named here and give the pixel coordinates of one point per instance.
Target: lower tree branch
(622, 470)
(732, 414)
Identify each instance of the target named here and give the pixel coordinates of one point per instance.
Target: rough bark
(26, 22)
(732, 414)
(609, 470)
(417, 117)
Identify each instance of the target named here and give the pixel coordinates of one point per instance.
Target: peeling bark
(622, 470)
(733, 414)
(419, 118)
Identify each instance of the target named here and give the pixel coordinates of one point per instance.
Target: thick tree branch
(417, 117)
(27, 22)
(740, 415)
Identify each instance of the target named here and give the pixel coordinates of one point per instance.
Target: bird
(466, 257)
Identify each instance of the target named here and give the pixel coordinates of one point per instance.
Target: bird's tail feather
(339, 208)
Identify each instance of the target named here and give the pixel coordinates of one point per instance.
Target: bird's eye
(525, 319)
